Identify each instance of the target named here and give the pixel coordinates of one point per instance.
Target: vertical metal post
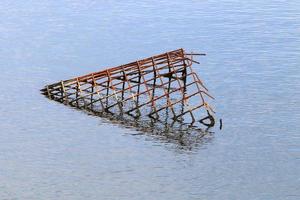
(107, 90)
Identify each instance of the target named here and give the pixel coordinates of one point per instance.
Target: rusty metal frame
(147, 87)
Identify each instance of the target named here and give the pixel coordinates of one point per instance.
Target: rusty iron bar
(145, 87)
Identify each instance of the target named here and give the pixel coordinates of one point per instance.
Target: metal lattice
(162, 87)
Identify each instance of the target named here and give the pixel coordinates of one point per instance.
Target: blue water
(252, 68)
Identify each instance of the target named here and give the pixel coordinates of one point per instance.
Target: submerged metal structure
(161, 88)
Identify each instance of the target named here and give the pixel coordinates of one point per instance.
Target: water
(49, 151)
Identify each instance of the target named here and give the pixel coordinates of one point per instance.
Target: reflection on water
(184, 135)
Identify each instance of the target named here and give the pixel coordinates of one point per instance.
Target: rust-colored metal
(151, 87)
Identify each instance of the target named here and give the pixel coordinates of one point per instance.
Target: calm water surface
(252, 67)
